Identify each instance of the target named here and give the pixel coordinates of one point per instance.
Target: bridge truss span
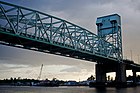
(20, 26)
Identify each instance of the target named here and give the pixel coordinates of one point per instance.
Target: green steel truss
(35, 26)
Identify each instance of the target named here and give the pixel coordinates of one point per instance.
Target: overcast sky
(23, 63)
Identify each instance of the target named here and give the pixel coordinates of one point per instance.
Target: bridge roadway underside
(119, 68)
(102, 69)
(49, 47)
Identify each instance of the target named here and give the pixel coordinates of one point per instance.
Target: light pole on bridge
(138, 59)
(131, 55)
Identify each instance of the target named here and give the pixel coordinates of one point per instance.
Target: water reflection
(101, 90)
(9, 89)
(121, 90)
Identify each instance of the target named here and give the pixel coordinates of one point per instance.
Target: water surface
(21, 89)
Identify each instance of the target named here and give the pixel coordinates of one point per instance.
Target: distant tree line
(28, 82)
(14, 81)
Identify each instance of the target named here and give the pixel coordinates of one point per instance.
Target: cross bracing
(33, 29)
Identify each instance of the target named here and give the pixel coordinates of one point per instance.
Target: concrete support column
(100, 73)
(121, 75)
(134, 76)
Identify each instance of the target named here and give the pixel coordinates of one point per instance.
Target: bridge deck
(53, 48)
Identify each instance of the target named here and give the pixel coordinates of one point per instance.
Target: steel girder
(37, 26)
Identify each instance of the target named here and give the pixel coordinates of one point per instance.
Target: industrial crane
(38, 78)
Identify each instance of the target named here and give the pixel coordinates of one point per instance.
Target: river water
(21, 89)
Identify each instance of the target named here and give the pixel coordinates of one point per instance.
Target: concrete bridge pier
(121, 75)
(134, 77)
(102, 69)
(100, 75)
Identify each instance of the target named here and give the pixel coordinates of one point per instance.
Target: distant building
(71, 83)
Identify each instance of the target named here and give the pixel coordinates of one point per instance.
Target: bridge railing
(29, 23)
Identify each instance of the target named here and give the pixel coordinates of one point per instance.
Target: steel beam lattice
(35, 26)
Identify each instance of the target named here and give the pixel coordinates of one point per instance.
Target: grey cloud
(11, 55)
(80, 67)
(7, 66)
(135, 4)
(72, 69)
(58, 5)
(4, 52)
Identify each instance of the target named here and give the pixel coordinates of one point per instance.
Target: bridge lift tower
(109, 29)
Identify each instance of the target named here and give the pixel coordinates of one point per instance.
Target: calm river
(9, 89)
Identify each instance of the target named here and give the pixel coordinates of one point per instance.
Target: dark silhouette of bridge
(30, 29)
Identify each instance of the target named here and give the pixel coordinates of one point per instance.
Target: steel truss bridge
(30, 29)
